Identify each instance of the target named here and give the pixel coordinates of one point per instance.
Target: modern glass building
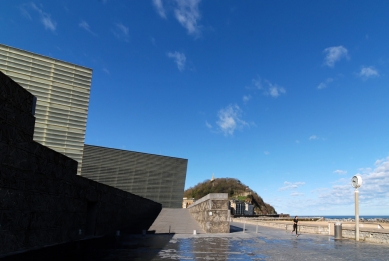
(159, 178)
(62, 90)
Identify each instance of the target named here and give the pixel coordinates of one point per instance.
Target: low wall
(42, 200)
(365, 234)
(368, 235)
(212, 213)
(302, 228)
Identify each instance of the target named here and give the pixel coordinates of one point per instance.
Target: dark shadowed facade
(42, 199)
(159, 178)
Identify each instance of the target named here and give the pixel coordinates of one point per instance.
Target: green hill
(235, 190)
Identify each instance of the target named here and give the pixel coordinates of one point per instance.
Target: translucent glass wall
(62, 90)
(159, 178)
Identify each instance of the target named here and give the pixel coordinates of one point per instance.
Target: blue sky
(290, 97)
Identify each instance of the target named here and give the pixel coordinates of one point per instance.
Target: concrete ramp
(179, 220)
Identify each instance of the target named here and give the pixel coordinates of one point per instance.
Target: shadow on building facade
(42, 200)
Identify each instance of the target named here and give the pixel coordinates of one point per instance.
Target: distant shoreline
(370, 218)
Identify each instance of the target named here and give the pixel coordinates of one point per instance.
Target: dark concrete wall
(212, 213)
(42, 200)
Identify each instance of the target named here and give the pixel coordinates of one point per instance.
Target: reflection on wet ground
(267, 244)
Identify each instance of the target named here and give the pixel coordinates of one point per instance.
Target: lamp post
(356, 182)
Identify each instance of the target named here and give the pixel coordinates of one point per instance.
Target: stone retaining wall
(212, 213)
(42, 200)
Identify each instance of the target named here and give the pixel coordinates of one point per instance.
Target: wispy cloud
(121, 32)
(368, 72)
(373, 192)
(185, 11)
(339, 198)
(230, 119)
(106, 71)
(275, 90)
(45, 18)
(313, 137)
(268, 88)
(159, 7)
(84, 25)
(340, 172)
(24, 10)
(324, 84)
(296, 194)
(179, 59)
(266, 152)
(290, 185)
(246, 98)
(334, 54)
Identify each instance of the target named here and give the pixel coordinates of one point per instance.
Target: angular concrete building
(62, 90)
(159, 178)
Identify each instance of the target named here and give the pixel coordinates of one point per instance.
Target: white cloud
(334, 54)
(297, 141)
(340, 172)
(368, 72)
(296, 194)
(338, 199)
(45, 18)
(159, 7)
(266, 152)
(313, 137)
(257, 83)
(179, 59)
(246, 98)
(121, 32)
(24, 11)
(106, 71)
(209, 126)
(374, 191)
(275, 90)
(324, 84)
(290, 185)
(230, 119)
(84, 25)
(268, 88)
(187, 13)
(375, 185)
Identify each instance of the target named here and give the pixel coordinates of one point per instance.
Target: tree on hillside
(234, 188)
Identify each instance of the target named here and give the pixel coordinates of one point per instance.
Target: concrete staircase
(178, 220)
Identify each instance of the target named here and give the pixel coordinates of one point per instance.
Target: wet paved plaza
(267, 244)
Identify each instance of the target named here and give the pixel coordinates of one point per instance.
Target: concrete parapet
(368, 235)
(324, 228)
(302, 228)
(212, 213)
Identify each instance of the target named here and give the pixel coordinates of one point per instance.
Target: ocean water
(352, 217)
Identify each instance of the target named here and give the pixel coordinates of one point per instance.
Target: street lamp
(356, 182)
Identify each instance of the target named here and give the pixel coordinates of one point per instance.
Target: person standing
(295, 221)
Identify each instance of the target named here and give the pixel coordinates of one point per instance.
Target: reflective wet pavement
(267, 244)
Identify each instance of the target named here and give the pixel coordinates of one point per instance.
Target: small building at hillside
(241, 208)
(187, 202)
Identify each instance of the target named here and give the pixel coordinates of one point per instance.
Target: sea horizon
(348, 216)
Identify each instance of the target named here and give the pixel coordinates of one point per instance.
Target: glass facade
(62, 90)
